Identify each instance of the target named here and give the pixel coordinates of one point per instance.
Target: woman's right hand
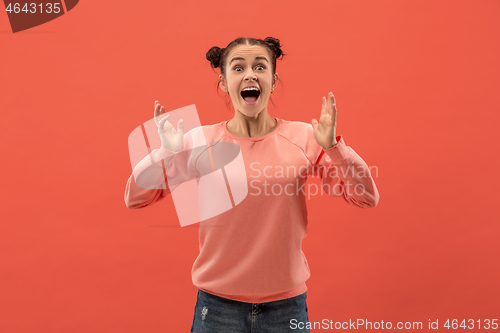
(170, 138)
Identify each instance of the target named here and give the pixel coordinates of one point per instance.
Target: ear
(222, 83)
(275, 80)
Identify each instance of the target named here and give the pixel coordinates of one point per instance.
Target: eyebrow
(256, 58)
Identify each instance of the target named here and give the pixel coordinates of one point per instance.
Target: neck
(251, 127)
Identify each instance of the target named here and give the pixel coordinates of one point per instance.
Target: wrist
(334, 144)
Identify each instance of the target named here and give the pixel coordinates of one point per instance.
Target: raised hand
(170, 137)
(324, 131)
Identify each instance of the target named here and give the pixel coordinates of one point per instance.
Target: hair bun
(213, 55)
(274, 44)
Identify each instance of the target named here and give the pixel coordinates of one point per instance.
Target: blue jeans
(214, 314)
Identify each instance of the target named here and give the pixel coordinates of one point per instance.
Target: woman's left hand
(324, 131)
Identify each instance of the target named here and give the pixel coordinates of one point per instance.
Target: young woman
(251, 271)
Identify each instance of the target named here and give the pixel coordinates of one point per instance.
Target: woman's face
(249, 65)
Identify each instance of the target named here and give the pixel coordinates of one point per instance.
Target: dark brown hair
(217, 56)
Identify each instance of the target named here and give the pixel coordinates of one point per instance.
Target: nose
(250, 75)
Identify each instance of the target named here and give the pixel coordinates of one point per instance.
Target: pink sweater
(252, 252)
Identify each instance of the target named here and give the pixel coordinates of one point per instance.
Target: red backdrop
(416, 84)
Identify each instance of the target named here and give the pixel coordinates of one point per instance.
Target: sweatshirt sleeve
(344, 173)
(159, 173)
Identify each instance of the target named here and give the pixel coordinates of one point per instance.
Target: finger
(330, 103)
(180, 127)
(160, 124)
(334, 109)
(323, 103)
(329, 107)
(162, 111)
(314, 123)
(157, 109)
(334, 118)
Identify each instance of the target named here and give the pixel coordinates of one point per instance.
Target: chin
(251, 110)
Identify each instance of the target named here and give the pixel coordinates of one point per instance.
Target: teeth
(251, 88)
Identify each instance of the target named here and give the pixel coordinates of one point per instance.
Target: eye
(235, 68)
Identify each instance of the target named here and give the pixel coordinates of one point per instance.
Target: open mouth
(250, 95)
